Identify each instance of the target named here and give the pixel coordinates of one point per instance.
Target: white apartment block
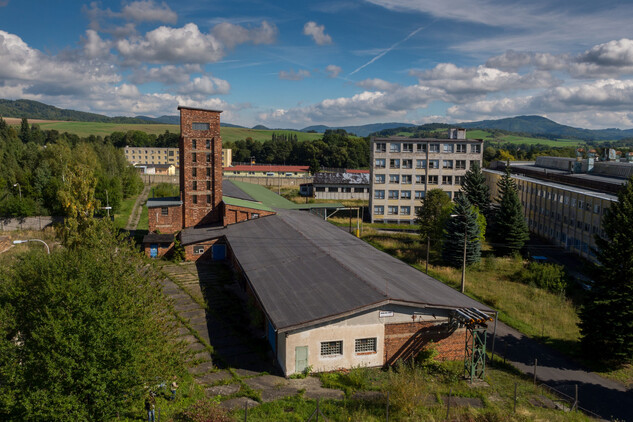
(152, 155)
(404, 169)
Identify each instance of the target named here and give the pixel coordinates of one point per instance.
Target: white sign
(384, 314)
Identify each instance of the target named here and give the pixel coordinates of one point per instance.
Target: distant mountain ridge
(364, 130)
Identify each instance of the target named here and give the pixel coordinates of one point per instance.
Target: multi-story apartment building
(155, 155)
(564, 199)
(404, 169)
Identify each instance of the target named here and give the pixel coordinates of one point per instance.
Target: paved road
(602, 396)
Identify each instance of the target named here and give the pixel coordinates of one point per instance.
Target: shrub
(545, 276)
(203, 411)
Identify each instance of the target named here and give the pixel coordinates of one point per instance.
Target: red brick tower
(200, 166)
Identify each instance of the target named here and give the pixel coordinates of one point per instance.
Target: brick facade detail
(200, 154)
(234, 214)
(207, 254)
(168, 224)
(163, 249)
(406, 340)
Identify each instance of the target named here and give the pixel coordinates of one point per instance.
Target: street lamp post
(19, 189)
(17, 242)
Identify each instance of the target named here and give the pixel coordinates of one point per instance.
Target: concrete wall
(28, 223)
(402, 335)
(154, 179)
(340, 195)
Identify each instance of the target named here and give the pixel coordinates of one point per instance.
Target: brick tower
(200, 166)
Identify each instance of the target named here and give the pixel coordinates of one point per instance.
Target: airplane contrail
(388, 50)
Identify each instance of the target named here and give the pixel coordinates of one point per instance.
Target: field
(84, 129)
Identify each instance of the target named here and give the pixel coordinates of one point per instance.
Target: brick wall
(206, 254)
(168, 224)
(234, 214)
(404, 341)
(163, 249)
(207, 165)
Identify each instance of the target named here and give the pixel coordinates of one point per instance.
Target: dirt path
(135, 215)
(605, 397)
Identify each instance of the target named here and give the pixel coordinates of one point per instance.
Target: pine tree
(476, 189)
(25, 131)
(510, 229)
(607, 316)
(463, 221)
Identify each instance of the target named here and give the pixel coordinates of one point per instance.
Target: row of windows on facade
(395, 210)
(194, 172)
(570, 242)
(152, 152)
(194, 157)
(344, 189)
(407, 179)
(560, 198)
(396, 163)
(207, 143)
(150, 158)
(568, 220)
(422, 147)
(399, 194)
(361, 345)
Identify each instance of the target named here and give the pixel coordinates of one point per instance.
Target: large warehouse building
(329, 300)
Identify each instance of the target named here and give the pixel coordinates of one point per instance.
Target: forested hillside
(34, 164)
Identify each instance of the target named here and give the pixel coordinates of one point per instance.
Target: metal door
(153, 250)
(301, 358)
(219, 252)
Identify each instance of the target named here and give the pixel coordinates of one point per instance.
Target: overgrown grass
(143, 223)
(494, 282)
(416, 393)
(121, 217)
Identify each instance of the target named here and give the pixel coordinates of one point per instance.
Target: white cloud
(231, 35)
(205, 86)
(172, 45)
(168, 75)
(377, 84)
(149, 11)
(291, 75)
(333, 70)
(317, 32)
(513, 60)
(94, 46)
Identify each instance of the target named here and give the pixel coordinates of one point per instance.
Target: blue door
(218, 252)
(153, 250)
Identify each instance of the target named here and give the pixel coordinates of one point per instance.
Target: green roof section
(271, 199)
(246, 204)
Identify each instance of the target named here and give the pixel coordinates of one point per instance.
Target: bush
(545, 276)
(203, 411)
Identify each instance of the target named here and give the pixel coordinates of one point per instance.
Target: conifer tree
(607, 315)
(510, 229)
(462, 222)
(476, 189)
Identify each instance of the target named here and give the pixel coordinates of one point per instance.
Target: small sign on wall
(385, 314)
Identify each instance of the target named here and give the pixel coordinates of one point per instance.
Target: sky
(294, 63)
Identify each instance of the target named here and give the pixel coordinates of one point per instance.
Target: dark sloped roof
(230, 189)
(341, 179)
(200, 234)
(164, 202)
(158, 238)
(304, 269)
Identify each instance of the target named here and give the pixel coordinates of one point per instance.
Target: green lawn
(84, 129)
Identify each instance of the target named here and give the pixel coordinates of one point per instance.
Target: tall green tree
(463, 222)
(606, 319)
(510, 231)
(25, 131)
(82, 331)
(476, 189)
(436, 208)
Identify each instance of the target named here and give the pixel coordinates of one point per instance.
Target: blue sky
(299, 63)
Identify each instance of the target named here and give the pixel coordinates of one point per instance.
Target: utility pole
(464, 263)
(19, 189)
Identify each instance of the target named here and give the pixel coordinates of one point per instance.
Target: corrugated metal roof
(304, 270)
(341, 179)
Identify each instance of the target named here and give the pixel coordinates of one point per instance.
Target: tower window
(200, 126)
(194, 144)
(208, 143)
(194, 199)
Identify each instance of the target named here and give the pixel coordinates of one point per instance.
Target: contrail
(388, 50)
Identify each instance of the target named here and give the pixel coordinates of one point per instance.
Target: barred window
(200, 126)
(364, 345)
(164, 211)
(331, 348)
(198, 250)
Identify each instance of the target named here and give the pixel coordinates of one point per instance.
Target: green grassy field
(84, 129)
